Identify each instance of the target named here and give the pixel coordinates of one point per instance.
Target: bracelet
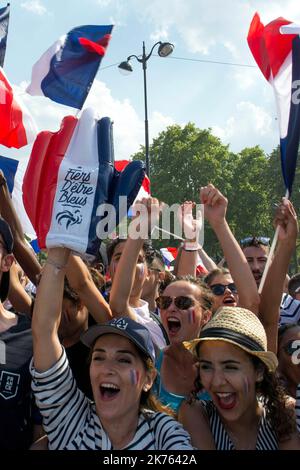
(191, 246)
(58, 267)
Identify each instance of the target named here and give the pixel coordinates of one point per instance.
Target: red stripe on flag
(269, 47)
(12, 131)
(98, 47)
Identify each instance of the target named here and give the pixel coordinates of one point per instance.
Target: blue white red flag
(169, 255)
(145, 188)
(17, 127)
(278, 57)
(70, 175)
(4, 20)
(66, 71)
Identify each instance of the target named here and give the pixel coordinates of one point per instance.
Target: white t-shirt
(143, 317)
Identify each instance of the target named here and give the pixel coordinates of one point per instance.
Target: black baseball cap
(8, 243)
(122, 326)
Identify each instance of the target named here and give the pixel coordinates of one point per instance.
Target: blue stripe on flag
(9, 168)
(290, 144)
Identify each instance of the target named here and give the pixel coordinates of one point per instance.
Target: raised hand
(286, 219)
(215, 204)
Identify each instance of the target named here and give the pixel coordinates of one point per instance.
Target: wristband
(191, 245)
(58, 267)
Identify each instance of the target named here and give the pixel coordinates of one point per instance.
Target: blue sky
(235, 101)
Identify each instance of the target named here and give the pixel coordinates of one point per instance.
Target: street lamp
(165, 49)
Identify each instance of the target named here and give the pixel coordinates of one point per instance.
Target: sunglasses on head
(254, 241)
(291, 347)
(219, 289)
(182, 302)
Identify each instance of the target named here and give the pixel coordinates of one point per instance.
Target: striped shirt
(266, 437)
(298, 407)
(289, 310)
(71, 422)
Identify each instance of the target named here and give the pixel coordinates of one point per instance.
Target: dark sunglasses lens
(183, 302)
(218, 289)
(233, 288)
(164, 301)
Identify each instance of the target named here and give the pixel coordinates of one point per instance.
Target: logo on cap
(120, 323)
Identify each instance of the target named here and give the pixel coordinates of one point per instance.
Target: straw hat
(240, 327)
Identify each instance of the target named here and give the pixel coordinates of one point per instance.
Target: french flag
(169, 255)
(278, 57)
(145, 188)
(17, 127)
(66, 71)
(70, 176)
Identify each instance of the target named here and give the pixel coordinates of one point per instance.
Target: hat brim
(89, 337)
(4, 286)
(267, 357)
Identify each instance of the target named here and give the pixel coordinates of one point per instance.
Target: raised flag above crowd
(66, 71)
(277, 56)
(4, 20)
(17, 125)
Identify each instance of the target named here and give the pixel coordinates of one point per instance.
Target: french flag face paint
(191, 316)
(246, 386)
(134, 376)
(141, 268)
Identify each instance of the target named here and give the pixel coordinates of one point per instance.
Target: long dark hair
(273, 396)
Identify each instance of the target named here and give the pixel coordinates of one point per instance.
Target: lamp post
(165, 49)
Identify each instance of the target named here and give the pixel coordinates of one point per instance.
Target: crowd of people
(127, 355)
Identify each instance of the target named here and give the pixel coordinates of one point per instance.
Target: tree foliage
(182, 159)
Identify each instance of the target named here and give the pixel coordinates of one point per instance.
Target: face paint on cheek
(191, 316)
(246, 386)
(141, 270)
(134, 376)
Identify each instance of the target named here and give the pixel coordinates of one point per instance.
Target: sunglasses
(182, 302)
(291, 347)
(219, 289)
(253, 241)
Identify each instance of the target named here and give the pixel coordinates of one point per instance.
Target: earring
(145, 388)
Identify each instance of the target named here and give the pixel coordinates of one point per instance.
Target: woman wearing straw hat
(122, 414)
(247, 409)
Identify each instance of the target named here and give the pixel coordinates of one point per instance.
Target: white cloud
(35, 6)
(249, 124)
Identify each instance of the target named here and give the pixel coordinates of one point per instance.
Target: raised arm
(121, 296)
(215, 207)
(271, 295)
(82, 282)
(23, 253)
(190, 227)
(17, 295)
(47, 310)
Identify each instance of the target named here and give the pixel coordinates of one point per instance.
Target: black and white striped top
(71, 422)
(289, 310)
(298, 407)
(266, 438)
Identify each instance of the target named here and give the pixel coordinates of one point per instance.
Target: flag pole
(272, 249)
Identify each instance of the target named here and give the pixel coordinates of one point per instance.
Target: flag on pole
(17, 127)
(4, 20)
(278, 57)
(65, 187)
(66, 71)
